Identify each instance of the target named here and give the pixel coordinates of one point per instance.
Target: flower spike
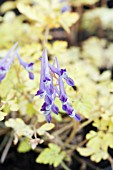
(49, 91)
(6, 62)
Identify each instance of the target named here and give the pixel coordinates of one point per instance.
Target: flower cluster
(7, 61)
(49, 91)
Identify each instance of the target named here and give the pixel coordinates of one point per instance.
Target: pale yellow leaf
(45, 127)
(2, 115)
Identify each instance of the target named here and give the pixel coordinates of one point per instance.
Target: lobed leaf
(52, 155)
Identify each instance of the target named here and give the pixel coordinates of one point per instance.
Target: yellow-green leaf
(24, 146)
(52, 155)
(45, 127)
(2, 115)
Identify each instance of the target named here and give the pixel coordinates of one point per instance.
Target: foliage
(52, 155)
(24, 146)
(2, 115)
(96, 19)
(83, 2)
(91, 97)
(44, 128)
(100, 140)
(20, 128)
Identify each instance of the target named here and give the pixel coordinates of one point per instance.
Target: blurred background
(80, 34)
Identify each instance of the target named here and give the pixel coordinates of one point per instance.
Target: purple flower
(63, 73)
(65, 8)
(48, 100)
(46, 88)
(47, 112)
(48, 116)
(54, 109)
(3, 72)
(40, 93)
(28, 67)
(8, 54)
(6, 62)
(48, 91)
(70, 111)
(62, 96)
(45, 107)
(45, 78)
(65, 105)
(54, 70)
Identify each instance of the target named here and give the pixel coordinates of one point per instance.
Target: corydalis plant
(50, 90)
(7, 61)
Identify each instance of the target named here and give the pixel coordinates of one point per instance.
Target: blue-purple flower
(49, 91)
(65, 6)
(28, 66)
(62, 94)
(62, 73)
(46, 89)
(6, 62)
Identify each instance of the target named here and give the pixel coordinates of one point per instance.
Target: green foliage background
(93, 99)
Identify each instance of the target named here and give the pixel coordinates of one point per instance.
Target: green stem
(5, 152)
(84, 124)
(65, 166)
(3, 143)
(58, 132)
(73, 133)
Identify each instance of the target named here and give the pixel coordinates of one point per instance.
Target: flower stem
(5, 152)
(65, 166)
(111, 161)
